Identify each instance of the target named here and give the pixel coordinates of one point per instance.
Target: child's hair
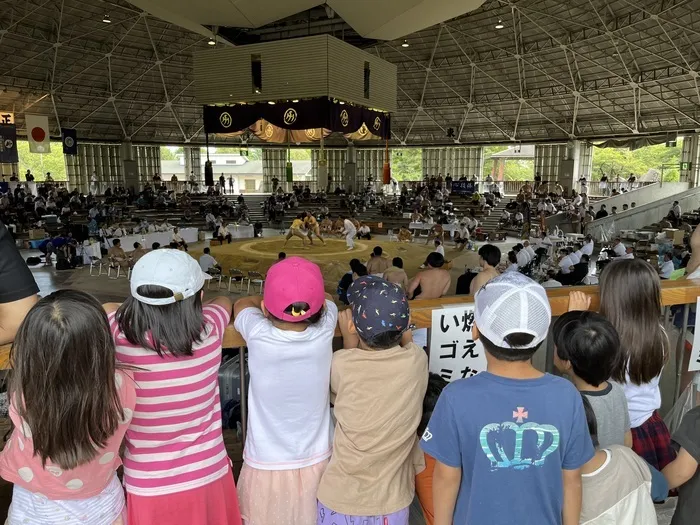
(398, 262)
(62, 381)
(519, 351)
(491, 254)
(171, 328)
(384, 340)
(436, 384)
(207, 251)
(630, 298)
(590, 343)
(512, 259)
(357, 267)
(591, 420)
(298, 308)
(435, 260)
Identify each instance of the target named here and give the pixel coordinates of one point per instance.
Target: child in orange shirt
(424, 480)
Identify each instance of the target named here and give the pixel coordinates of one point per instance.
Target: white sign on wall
(453, 353)
(694, 364)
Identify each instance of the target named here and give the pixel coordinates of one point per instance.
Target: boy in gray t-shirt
(587, 349)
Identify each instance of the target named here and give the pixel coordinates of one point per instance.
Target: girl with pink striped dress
(176, 469)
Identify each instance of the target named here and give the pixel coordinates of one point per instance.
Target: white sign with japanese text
(694, 365)
(453, 353)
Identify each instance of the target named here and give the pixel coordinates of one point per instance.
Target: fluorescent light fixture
(212, 42)
(271, 102)
(295, 100)
(500, 25)
(106, 19)
(405, 43)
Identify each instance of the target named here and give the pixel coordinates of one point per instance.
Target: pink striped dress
(176, 469)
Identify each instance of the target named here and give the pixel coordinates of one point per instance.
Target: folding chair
(255, 278)
(96, 262)
(392, 236)
(235, 276)
(114, 265)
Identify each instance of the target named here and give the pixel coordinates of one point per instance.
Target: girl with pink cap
(289, 332)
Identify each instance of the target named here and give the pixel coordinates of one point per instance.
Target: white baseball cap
(171, 269)
(512, 303)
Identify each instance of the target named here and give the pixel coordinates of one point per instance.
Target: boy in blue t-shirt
(509, 442)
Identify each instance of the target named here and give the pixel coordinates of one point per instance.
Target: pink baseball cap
(294, 280)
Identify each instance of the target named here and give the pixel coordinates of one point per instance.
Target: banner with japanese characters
(453, 353)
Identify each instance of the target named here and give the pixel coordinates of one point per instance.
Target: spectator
(377, 264)
(551, 281)
(155, 246)
(489, 258)
(281, 256)
(138, 252)
(513, 265)
(645, 350)
(602, 213)
(164, 333)
(511, 320)
(616, 483)
(74, 412)
(177, 238)
(18, 290)
(364, 232)
(431, 283)
(357, 269)
(395, 274)
(358, 488)
(439, 248)
(682, 473)
(565, 262)
(587, 348)
(667, 267)
(208, 264)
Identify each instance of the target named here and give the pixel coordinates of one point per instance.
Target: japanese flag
(38, 133)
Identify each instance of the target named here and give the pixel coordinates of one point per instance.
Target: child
(509, 442)
(290, 342)
(70, 407)
(378, 382)
(683, 471)
(617, 484)
(587, 349)
(176, 469)
(630, 298)
(424, 480)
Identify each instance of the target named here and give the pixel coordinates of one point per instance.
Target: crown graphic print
(518, 445)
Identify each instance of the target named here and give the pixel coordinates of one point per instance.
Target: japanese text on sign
(453, 353)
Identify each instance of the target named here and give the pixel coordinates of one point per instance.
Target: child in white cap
(509, 442)
(176, 469)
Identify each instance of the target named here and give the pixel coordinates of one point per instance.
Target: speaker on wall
(208, 174)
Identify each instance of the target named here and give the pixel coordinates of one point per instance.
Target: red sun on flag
(38, 134)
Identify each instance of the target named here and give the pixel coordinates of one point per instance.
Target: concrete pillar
(690, 160)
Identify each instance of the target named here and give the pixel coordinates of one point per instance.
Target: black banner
(70, 141)
(302, 115)
(463, 187)
(8, 147)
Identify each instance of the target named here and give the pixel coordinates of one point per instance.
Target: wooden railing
(672, 293)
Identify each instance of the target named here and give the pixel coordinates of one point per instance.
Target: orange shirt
(424, 489)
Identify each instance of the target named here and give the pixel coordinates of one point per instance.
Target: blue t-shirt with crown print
(511, 438)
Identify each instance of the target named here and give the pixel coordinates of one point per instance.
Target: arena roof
(557, 70)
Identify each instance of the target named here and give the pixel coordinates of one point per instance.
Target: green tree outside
(515, 169)
(649, 162)
(407, 164)
(40, 163)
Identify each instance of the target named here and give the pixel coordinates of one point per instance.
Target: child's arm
(628, 439)
(680, 469)
(573, 493)
(412, 286)
(350, 338)
(247, 302)
(223, 302)
(446, 482)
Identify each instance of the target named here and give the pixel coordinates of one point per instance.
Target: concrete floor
(115, 290)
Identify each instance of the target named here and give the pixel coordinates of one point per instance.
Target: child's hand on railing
(579, 302)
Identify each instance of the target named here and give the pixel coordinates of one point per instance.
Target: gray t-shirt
(688, 437)
(610, 407)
